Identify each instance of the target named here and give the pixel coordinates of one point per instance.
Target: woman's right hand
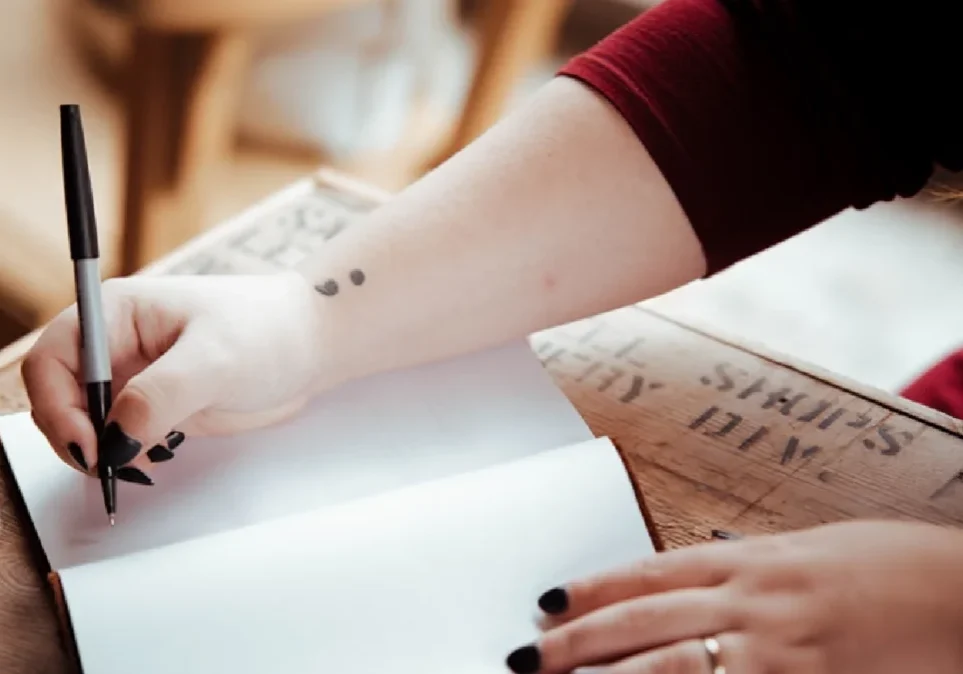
(195, 355)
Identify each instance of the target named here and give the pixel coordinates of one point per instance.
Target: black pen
(85, 253)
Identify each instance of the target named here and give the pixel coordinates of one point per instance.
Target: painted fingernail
(725, 535)
(118, 448)
(159, 454)
(554, 601)
(524, 660)
(77, 454)
(174, 439)
(135, 475)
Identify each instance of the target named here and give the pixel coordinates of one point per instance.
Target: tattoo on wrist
(329, 287)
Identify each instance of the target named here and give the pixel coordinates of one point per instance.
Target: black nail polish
(118, 448)
(174, 439)
(554, 601)
(725, 535)
(159, 454)
(77, 454)
(524, 660)
(135, 475)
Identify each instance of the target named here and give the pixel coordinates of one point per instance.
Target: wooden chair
(184, 75)
(513, 35)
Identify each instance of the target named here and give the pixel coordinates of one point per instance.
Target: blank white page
(369, 436)
(433, 579)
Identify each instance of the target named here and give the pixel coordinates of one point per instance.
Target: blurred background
(196, 109)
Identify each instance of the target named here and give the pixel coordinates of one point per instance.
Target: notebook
(407, 522)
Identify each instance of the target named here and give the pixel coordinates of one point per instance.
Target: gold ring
(711, 645)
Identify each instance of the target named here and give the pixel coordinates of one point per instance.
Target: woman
(701, 133)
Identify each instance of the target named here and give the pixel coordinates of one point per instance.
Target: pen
(85, 253)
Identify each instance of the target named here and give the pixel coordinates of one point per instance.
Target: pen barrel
(98, 405)
(78, 195)
(94, 349)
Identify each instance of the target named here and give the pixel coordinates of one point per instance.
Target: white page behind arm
(435, 579)
(369, 436)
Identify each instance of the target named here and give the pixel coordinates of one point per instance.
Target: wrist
(332, 357)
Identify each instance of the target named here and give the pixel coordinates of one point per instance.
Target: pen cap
(78, 196)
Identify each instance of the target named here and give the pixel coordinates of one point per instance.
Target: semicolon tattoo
(329, 287)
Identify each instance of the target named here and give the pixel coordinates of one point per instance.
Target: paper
(367, 437)
(435, 579)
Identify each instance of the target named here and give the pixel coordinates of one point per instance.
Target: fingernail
(174, 439)
(135, 475)
(524, 660)
(118, 448)
(77, 454)
(725, 535)
(159, 454)
(554, 601)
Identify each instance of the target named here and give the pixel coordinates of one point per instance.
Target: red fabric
(768, 116)
(940, 387)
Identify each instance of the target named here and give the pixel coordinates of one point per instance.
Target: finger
(141, 469)
(697, 566)
(52, 375)
(628, 627)
(58, 409)
(692, 657)
(179, 384)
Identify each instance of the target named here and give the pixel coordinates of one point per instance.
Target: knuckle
(145, 403)
(769, 548)
(641, 577)
(566, 644)
(737, 609)
(139, 397)
(678, 660)
(163, 388)
(639, 616)
(649, 572)
(29, 368)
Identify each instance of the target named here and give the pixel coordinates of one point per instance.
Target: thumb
(179, 384)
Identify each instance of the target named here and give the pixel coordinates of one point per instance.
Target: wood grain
(715, 435)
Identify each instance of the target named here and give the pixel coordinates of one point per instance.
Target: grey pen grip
(93, 326)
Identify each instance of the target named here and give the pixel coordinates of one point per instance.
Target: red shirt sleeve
(768, 116)
(941, 386)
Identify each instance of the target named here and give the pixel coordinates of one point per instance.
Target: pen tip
(111, 518)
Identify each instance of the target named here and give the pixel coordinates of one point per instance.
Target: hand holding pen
(114, 384)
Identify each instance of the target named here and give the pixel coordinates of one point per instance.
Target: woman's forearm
(555, 214)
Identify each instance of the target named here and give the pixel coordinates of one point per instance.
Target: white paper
(438, 578)
(370, 436)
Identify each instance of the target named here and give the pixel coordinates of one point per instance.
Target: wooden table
(715, 434)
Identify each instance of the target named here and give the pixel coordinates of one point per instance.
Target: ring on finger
(714, 655)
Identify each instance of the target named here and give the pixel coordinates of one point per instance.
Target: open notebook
(403, 523)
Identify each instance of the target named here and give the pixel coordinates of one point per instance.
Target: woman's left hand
(852, 598)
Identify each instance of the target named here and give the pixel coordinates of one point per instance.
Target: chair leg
(182, 95)
(514, 35)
